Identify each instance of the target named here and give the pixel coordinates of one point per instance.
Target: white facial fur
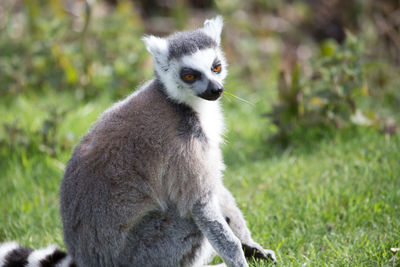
(158, 48)
(209, 112)
(213, 28)
(201, 61)
(168, 71)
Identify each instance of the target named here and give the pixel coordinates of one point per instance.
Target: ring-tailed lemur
(144, 186)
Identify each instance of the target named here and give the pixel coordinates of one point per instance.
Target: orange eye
(189, 77)
(217, 69)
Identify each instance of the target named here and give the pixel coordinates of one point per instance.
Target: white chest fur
(211, 121)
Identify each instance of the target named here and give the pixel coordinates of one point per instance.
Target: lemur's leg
(237, 223)
(210, 221)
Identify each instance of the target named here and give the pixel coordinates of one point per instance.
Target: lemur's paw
(270, 255)
(256, 251)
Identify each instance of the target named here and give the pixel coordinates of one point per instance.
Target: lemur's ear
(213, 28)
(157, 46)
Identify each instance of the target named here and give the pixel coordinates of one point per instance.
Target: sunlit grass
(327, 202)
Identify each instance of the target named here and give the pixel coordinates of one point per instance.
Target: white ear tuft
(213, 28)
(157, 46)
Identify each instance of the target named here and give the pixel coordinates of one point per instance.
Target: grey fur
(133, 162)
(209, 219)
(186, 43)
(144, 186)
(189, 125)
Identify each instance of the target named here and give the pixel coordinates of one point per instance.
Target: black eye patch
(189, 75)
(216, 66)
(216, 62)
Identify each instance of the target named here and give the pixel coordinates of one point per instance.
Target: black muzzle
(213, 91)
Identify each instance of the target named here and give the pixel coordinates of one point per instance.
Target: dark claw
(250, 251)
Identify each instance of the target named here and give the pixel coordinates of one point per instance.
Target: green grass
(334, 205)
(327, 201)
(331, 198)
(29, 178)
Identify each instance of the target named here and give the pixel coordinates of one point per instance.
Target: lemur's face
(201, 73)
(190, 64)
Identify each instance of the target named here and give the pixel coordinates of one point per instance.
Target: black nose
(215, 88)
(213, 91)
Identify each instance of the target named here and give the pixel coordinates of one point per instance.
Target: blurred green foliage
(18, 139)
(95, 50)
(45, 48)
(330, 96)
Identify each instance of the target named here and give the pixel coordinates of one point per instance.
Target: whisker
(238, 98)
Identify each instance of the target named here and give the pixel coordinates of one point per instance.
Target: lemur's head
(191, 64)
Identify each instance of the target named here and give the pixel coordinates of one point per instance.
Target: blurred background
(305, 62)
(317, 126)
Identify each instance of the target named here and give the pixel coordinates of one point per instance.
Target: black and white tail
(13, 255)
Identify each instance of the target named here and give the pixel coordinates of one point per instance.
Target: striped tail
(13, 255)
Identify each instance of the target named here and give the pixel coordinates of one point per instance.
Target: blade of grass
(238, 98)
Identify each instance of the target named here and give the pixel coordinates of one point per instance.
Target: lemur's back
(114, 150)
(124, 168)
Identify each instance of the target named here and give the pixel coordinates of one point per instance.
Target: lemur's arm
(237, 223)
(209, 219)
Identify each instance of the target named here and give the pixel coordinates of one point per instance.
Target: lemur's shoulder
(146, 116)
(151, 109)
